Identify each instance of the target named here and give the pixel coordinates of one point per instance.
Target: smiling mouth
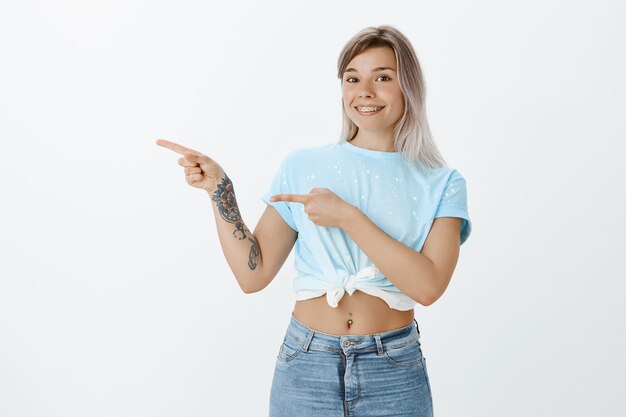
(365, 110)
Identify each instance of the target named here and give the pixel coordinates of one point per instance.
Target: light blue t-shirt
(397, 196)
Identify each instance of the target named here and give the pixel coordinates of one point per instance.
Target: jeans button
(346, 343)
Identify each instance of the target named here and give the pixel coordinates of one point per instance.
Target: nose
(365, 91)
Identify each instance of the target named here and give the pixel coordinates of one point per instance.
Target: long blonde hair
(412, 134)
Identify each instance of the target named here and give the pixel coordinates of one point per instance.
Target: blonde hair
(412, 134)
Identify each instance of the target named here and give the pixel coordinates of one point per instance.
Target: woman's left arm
(423, 276)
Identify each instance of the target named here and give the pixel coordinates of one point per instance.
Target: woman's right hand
(200, 170)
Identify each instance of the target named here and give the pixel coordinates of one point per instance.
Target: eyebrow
(374, 70)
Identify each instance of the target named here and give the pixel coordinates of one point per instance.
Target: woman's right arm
(255, 258)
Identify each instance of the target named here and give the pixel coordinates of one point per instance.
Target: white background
(115, 297)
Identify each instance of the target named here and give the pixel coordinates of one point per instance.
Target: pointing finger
(173, 146)
(296, 198)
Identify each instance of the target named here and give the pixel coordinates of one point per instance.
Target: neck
(374, 141)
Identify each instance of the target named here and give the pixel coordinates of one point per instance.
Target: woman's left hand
(323, 207)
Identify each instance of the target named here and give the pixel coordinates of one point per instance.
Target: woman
(377, 220)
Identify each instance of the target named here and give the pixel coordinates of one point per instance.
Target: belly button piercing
(349, 322)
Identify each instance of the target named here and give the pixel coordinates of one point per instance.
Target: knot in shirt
(349, 284)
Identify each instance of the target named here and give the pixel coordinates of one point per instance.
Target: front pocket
(404, 356)
(288, 350)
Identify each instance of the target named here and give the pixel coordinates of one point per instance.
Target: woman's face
(366, 83)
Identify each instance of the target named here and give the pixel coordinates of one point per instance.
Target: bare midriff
(356, 314)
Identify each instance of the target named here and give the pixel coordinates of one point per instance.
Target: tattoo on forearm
(226, 202)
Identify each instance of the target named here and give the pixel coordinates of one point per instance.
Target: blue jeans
(323, 375)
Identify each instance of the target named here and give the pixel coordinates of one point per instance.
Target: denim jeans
(323, 375)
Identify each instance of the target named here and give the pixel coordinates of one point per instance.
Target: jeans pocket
(404, 355)
(288, 350)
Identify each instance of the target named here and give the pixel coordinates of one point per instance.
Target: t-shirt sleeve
(281, 184)
(453, 203)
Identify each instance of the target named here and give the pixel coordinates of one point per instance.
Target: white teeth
(368, 109)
